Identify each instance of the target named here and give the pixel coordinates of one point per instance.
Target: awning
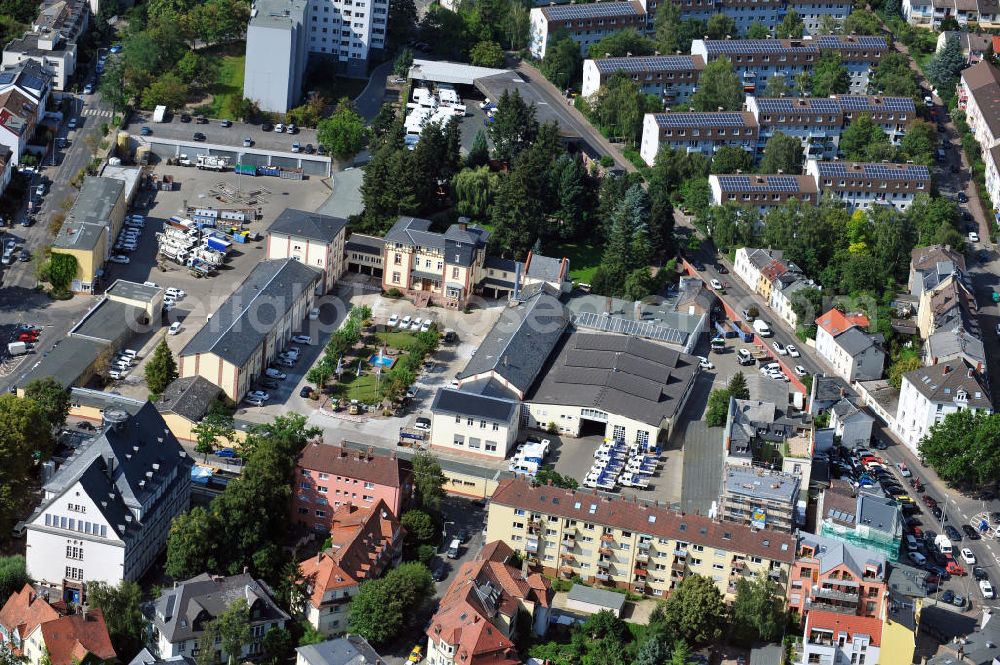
(420, 274)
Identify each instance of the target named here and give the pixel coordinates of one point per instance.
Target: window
(491, 446)
(395, 278)
(397, 259)
(474, 443)
(454, 273)
(459, 440)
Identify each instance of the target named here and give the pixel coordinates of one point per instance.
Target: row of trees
(962, 448)
(477, 31)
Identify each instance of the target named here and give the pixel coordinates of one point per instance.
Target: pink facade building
(831, 575)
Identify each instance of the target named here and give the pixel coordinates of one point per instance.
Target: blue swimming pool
(385, 361)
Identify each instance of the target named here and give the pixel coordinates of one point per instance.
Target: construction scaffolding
(234, 194)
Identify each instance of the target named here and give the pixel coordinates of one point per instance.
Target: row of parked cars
(273, 376)
(409, 323)
(122, 363)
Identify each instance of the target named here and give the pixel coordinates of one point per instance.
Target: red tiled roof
(463, 619)
(836, 322)
(72, 638)
(644, 518)
(773, 269)
(849, 623)
(24, 611)
(386, 470)
(358, 538)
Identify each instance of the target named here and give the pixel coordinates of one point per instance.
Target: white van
(523, 468)
(453, 548)
(761, 327)
(943, 544)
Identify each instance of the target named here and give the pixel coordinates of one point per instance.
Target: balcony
(602, 577)
(835, 594)
(681, 552)
(534, 521)
(642, 556)
(644, 545)
(678, 566)
(605, 551)
(639, 586)
(569, 542)
(641, 572)
(603, 563)
(739, 564)
(531, 545)
(565, 570)
(607, 538)
(821, 639)
(567, 556)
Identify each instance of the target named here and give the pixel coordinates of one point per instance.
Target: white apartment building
(837, 638)
(673, 78)
(697, 132)
(310, 238)
(107, 510)
(783, 295)
(812, 12)
(474, 424)
(283, 34)
(853, 353)
(863, 186)
(927, 395)
(750, 261)
(977, 93)
(585, 24)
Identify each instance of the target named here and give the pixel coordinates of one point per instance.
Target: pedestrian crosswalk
(100, 113)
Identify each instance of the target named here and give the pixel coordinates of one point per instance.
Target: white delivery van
(453, 548)
(943, 544)
(761, 327)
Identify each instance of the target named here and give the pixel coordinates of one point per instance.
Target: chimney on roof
(843, 392)
(945, 370)
(971, 372)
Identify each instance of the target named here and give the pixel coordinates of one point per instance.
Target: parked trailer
(212, 162)
(219, 244)
(723, 330)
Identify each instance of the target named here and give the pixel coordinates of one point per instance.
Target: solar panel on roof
(875, 171)
(754, 46)
(770, 183)
(591, 10)
(835, 42)
(617, 324)
(864, 103)
(653, 63)
(722, 119)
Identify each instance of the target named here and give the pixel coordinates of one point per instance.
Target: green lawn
(396, 340)
(583, 260)
(361, 388)
(333, 88)
(227, 92)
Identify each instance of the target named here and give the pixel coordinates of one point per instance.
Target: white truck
(212, 162)
(160, 114)
(207, 255)
(174, 253)
(761, 328)
(17, 348)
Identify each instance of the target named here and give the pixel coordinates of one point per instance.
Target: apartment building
(751, 261)
(863, 185)
(818, 122)
(927, 395)
(51, 42)
(246, 333)
(975, 45)
(949, 306)
(757, 60)
(672, 78)
(17, 123)
(930, 13)
(977, 92)
(328, 477)
(90, 230)
(31, 80)
(364, 543)
(853, 354)
(184, 611)
(312, 239)
(476, 621)
(759, 498)
(785, 293)
(615, 541)
(814, 14)
(835, 576)
(930, 265)
(860, 517)
(106, 512)
(585, 24)
(834, 637)
(430, 265)
(284, 35)
(697, 132)
(762, 192)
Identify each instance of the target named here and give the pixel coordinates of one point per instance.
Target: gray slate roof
(879, 513)
(855, 341)
(358, 242)
(942, 383)
(458, 244)
(145, 657)
(133, 290)
(66, 362)
(467, 404)
(309, 225)
(105, 322)
(518, 345)
(772, 486)
(346, 650)
(189, 397)
(232, 333)
(600, 597)
(832, 553)
(414, 232)
(619, 374)
(546, 268)
(957, 343)
(180, 611)
(114, 467)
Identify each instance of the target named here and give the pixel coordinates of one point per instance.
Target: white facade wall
(60, 64)
(328, 257)
(332, 620)
(568, 420)
(745, 270)
(15, 142)
(474, 436)
(812, 13)
(917, 414)
(782, 307)
(649, 145)
(538, 35)
(849, 652)
(347, 30)
(276, 61)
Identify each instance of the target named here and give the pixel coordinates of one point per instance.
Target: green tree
(782, 154)
(514, 127)
(474, 189)
(402, 21)
(428, 482)
(652, 652)
(829, 25)
(943, 69)
(695, 610)
(279, 644)
(547, 475)
(738, 386)
(696, 195)
(730, 159)
(383, 607)
(191, 544)
(13, 575)
(757, 612)
(862, 22)
(621, 43)
(404, 60)
(731, 225)
(51, 397)
(777, 86)
(893, 76)
(343, 133)
(420, 527)
(562, 63)
(168, 90)
(919, 143)
(718, 408)
(962, 447)
(112, 86)
(863, 139)
(791, 27)
(668, 28)
(902, 365)
(58, 269)
(161, 369)
(217, 424)
(234, 629)
(24, 436)
(479, 153)
(618, 108)
(718, 88)
(829, 75)
(757, 30)
(208, 652)
(122, 614)
(487, 54)
(722, 26)
(681, 654)
(628, 247)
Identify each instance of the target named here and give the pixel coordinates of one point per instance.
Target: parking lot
(215, 133)
(203, 295)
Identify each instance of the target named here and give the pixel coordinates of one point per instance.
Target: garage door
(253, 158)
(192, 150)
(315, 167)
(162, 150)
(231, 154)
(285, 162)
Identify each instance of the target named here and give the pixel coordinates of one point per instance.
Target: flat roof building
(759, 498)
(863, 185)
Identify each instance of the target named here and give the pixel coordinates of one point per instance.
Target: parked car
(779, 348)
(423, 423)
(986, 589)
(979, 574)
(226, 123)
(145, 131)
(405, 322)
(270, 384)
(118, 258)
(226, 453)
(198, 136)
(302, 339)
(716, 284)
(903, 470)
(801, 371)
(970, 531)
(175, 328)
(973, 236)
(259, 394)
(185, 117)
(275, 374)
(968, 556)
(393, 320)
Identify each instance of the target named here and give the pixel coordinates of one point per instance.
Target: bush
(394, 293)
